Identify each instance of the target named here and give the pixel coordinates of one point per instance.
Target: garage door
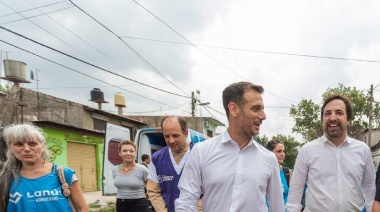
(82, 158)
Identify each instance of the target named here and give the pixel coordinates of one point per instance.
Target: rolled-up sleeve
(190, 183)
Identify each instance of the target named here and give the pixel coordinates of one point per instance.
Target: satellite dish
(31, 75)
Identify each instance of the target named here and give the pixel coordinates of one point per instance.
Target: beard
(246, 126)
(335, 133)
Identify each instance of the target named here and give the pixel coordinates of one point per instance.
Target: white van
(147, 140)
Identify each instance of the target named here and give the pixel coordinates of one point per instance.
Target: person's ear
(234, 109)
(186, 133)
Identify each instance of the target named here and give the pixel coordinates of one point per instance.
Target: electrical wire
(76, 49)
(82, 73)
(133, 50)
(188, 41)
(90, 64)
(212, 58)
(46, 5)
(83, 40)
(260, 51)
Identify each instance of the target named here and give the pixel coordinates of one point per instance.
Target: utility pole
(192, 104)
(370, 117)
(38, 97)
(193, 101)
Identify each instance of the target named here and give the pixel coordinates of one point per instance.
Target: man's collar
(227, 138)
(348, 139)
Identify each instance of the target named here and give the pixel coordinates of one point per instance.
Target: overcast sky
(184, 46)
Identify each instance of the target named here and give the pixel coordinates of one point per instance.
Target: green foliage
(109, 207)
(5, 89)
(261, 140)
(291, 149)
(307, 121)
(94, 205)
(376, 114)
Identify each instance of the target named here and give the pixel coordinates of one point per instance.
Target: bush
(109, 207)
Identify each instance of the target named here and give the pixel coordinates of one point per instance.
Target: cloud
(234, 41)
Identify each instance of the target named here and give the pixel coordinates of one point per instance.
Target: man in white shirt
(232, 171)
(337, 169)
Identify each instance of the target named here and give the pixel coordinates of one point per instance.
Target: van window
(113, 152)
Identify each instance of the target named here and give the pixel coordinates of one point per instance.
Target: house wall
(46, 108)
(57, 141)
(38, 106)
(196, 123)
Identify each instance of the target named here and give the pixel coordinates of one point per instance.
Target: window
(113, 153)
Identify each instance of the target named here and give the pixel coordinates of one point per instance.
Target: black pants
(132, 205)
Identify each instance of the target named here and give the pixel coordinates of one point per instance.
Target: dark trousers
(132, 205)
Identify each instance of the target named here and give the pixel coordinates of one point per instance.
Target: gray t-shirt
(131, 185)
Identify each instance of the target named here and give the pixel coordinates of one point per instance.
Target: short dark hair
(126, 142)
(144, 157)
(181, 120)
(270, 145)
(235, 93)
(346, 101)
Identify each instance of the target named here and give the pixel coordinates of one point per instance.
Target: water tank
(14, 69)
(119, 100)
(97, 95)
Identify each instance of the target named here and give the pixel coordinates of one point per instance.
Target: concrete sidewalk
(96, 196)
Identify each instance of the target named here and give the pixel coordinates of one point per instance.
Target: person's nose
(333, 117)
(171, 140)
(26, 147)
(262, 116)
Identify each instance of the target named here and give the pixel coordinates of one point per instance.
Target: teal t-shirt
(40, 194)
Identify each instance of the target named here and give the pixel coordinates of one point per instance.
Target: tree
(307, 114)
(5, 89)
(291, 149)
(261, 140)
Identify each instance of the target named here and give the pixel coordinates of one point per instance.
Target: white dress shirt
(230, 179)
(338, 178)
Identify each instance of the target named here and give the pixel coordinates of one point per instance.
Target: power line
(133, 50)
(81, 72)
(83, 40)
(80, 60)
(35, 15)
(46, 5)
(188, 41)
(76, 87)
(258, 51)
(49, 32)
(217, 61)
